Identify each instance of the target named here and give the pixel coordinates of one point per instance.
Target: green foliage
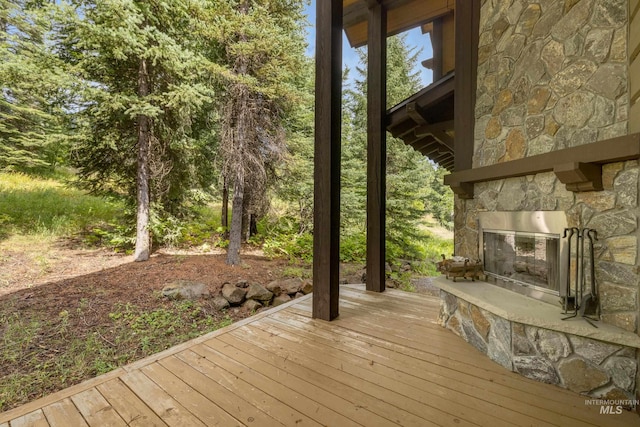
(33, 89)
(134, 334)
(31, 205)
(106, 42)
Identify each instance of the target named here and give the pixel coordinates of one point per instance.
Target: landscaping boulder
(184, 289)
(298, 295)
(252, 305)
(307, 287)
(291, 286)
(275, 287)
(282, 299)
(242, 284)
(221, 303)
(233, 294)
(259, 293)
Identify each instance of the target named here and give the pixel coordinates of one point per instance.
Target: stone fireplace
(553, 85)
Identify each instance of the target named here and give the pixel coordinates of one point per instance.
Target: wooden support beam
(579, 176)
(437, 45)
(618, 149)
(376, 146)
(328, 110)
(467, 29)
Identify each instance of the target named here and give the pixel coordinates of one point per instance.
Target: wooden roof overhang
(425, 121)
(402, 15)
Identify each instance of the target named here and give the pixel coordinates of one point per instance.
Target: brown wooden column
(326, 217)
(376, 145)
(467, 27)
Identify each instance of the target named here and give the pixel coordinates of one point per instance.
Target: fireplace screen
(530, 259)
(524, 252)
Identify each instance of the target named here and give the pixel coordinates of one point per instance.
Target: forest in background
(169, 109)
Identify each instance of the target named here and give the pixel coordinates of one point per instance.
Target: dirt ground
(54, 277)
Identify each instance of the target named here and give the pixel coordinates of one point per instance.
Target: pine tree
(408, 172)
(145, 101)
(262, 45)
(33, 87)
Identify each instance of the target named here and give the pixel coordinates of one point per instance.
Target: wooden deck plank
(207, 411)
(166, 407)
(429, 377)
(403, 405)
(96, 410)
(266, 403)
(63, 414)
(299, 381)
(368, 410)
(298, 400)
(132, 410)
(383, 362)
(32, 419)
(465, 406)
(236, 406)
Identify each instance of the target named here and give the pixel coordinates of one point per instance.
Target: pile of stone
(254, 296)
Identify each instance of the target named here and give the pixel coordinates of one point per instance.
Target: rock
(624, 249)
(291, 286)
(575, 109)
(623, 372)
(626, 321)
(613, 223)
(528, 19)
(282, 299)
(258, 293)
(307, 287)
(573, 77)
(521, 344)
(502, 102)
(233, 294)
(473, 337)
(298, 295)
(610, 13)
(618, 298)
(499, 341)
(252, 305)
(480, 322)
(553, 345)
(515, 145)
(580, 376)
(184, 289)
(609, 81)
(592, 350)
(242, 284)
(616, 273)
(274, 287)
(221, 303)
(537, 368)
(573, 21)
(598, 200)
(626, 186)
(598, 43)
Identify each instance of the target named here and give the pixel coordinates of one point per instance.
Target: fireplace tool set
(581, 300)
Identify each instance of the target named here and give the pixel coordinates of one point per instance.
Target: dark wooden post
(467, 27)
(326, 216)
(376, 145)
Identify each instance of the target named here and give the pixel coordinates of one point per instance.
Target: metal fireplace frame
(549, 223)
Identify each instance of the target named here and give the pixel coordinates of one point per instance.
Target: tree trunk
(225, 209)
(245, 217)
(143, 240)
(253, 225)
(235, 235)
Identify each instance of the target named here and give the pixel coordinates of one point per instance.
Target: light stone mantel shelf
(521, 309)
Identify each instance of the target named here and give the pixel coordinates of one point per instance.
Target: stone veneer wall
(597, 369)
(553, 74)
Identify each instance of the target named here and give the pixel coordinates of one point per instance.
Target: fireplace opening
(524, 252)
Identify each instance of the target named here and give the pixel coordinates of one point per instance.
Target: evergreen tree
(263, 47)
(145, 102)
(33, 88)
(408, 172)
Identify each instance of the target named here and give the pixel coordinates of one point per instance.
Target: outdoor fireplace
(525, 252)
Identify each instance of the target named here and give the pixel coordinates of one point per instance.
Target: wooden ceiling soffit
(402, 15)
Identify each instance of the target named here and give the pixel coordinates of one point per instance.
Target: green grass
(39, 206)
(41, 356)
(434, 247)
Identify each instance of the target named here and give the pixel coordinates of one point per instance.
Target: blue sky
(415, 38)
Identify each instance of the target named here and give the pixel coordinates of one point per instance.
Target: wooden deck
(383, 362)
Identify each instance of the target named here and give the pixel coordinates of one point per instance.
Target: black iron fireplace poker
(584, 302)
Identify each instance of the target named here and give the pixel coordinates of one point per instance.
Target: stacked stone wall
(552, 75)
(591, 367)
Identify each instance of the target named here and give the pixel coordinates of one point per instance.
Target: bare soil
(57, 283)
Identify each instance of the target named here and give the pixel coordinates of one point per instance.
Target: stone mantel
(580, 168)
(521, 309)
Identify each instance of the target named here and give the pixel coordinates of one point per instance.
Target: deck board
(383, 362)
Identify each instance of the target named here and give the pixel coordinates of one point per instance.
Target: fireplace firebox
(524, 252)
